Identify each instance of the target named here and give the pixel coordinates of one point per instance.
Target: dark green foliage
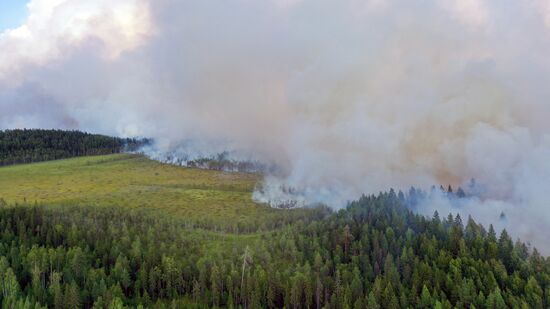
(26, 146)
(373, 254)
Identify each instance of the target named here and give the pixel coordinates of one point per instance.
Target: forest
(35, 145)
(375, 253)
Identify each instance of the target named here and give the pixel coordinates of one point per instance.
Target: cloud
(55, 27)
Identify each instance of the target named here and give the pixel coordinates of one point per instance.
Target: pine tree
(55, 290)
(533, 293)
(372, 303)
(10, 286)
(215, 285)
(460, 193)
(425, 298)
(71, 297)
(495, 300)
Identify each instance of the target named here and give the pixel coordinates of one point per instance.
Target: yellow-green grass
(133, 181)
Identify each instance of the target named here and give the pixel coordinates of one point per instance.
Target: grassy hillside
(203, 197)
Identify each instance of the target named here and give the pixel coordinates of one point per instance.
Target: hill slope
(205, 198)
(121, 230)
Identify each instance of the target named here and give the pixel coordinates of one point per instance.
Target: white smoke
(344, 96)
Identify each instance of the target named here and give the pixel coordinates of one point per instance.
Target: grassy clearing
(204, 197)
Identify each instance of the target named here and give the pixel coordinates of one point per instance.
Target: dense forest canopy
(35, 145)
(374, 254)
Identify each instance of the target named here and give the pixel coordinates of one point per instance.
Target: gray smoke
(345, 97)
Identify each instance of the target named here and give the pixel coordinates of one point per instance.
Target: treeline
(27, 146)
(373, 254)
(219, 162)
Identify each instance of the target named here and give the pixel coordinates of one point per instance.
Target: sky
(345, 97)
(12, 13)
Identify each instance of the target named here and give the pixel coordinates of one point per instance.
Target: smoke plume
(345, 97)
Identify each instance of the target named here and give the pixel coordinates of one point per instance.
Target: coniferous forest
(373, 254)
(35, 145)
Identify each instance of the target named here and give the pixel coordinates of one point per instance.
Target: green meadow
(203, 198)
